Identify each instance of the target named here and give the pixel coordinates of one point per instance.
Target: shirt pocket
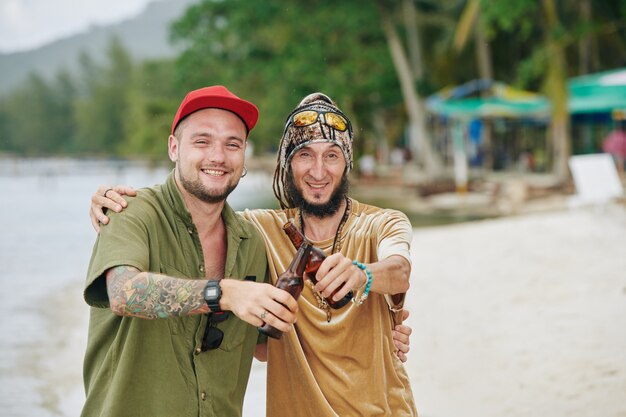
(235, 331)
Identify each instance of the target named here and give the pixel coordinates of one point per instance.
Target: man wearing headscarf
(335, 362)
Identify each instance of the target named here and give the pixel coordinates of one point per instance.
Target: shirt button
(190, 230)
(201, 268)
(203, 396)
(198, 351)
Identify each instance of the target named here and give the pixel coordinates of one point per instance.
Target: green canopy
(501, 101)
(603, 92)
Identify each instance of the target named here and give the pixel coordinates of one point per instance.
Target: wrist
(368, 284)
(363, 281)
(227, 291)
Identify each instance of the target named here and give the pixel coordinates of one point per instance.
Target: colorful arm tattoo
(150, 296)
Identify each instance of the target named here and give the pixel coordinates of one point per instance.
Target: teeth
(213, 173)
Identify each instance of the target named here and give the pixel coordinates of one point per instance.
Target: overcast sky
(28, 24)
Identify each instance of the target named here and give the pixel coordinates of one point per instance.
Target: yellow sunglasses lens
(305, 118)
(308, 117)
(336, 121)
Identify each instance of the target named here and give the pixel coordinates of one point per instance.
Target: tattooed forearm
(150, 296)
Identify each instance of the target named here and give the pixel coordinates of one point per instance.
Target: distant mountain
(145, 36)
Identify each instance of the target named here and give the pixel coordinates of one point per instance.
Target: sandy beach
(520, 316)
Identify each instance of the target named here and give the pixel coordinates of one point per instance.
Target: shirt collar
(233, 222)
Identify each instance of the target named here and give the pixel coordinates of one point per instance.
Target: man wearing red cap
(167, 337)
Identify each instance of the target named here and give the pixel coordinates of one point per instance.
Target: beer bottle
(315, 260)
(291, 281)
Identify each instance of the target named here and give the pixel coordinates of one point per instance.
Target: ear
(172, 148)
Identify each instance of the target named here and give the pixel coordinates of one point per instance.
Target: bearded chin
(198, 190)
(329, 208)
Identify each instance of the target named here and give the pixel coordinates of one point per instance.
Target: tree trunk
(556, 90)
(483, 51)
(485, 70)
(421, 148)
(382, 141)
(472, 22)
(584, 45)
(413, 40)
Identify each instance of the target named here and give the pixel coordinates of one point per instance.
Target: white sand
(522, 316)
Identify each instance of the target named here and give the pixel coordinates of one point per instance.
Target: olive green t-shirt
(136, 367)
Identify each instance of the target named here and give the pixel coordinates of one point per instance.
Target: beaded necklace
(321, 302)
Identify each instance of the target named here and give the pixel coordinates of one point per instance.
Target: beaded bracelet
(368, 284)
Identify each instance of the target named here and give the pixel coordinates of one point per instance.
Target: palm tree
(471, 22)
(556, 89)
(409, 70)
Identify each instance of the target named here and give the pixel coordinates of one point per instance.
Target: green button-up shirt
(135, 367)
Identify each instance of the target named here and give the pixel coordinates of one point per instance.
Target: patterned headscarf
(297, 137)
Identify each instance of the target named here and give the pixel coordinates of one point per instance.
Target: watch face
(212, 294)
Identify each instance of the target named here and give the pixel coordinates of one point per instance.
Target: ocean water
(46, 239)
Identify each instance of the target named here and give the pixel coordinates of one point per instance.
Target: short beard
(294, 195)
(197, 189)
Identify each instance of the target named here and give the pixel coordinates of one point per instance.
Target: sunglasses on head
(309, 117)
(212, 335)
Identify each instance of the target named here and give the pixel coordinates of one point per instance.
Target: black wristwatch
(212, 295)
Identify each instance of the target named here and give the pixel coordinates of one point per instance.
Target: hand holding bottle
(336, 275)
(292, 281)
(315, 262)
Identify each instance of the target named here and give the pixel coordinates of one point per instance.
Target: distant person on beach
(615, 144)
(335, 362)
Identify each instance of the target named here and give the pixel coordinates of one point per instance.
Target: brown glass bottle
(291, 281)
(315, 260)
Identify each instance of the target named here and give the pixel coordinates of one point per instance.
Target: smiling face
(317, 182)
(208, 149)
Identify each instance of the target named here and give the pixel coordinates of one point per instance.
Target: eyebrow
(238, 139)
(331, 148)
(209, 135)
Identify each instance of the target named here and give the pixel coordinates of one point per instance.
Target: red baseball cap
(218, 97)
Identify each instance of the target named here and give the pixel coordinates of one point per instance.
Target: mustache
(296, 198)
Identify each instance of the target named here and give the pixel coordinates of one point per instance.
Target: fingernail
(118, 208)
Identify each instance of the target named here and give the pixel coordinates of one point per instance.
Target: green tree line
(378, 59)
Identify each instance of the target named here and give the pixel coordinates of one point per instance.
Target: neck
(322, 228)
(207, 217)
